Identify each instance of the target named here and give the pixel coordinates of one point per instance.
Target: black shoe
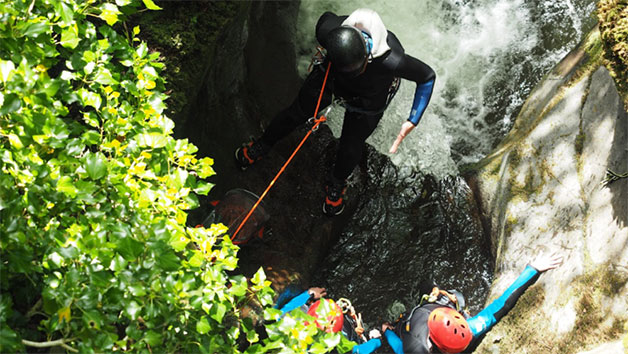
(249, 153)
(334, 198)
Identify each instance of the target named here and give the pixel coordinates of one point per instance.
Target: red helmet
(449, 330)
(331, 312)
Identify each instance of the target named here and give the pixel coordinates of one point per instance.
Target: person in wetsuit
(310, 299)
(366, 62)
(438, 326)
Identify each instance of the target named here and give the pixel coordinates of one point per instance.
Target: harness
(353, 327)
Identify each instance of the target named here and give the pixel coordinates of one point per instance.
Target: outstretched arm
(415, 70)
(313, 293)
(487, 318)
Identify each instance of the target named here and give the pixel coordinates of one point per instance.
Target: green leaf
(197, 259)
(168, 261)
(133, 309)
(203, 188)
(70, 37)
(217, 312)
(151, 5)
(332, 339)
(202, 326)
(153, 338)
(15, 141)
(95, 165)
(90, 98)
(67, 14)
(152, 140)
(103, 76)
(11, 104)
(109, 13)
(35, 29)
(137, 290)
(345, 345)
(66, 186)
(238, 285)
(90, 137)
(259, 277)
(9, 340)
(129, 248)
(6, 69)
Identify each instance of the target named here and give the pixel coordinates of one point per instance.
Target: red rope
(316, 123)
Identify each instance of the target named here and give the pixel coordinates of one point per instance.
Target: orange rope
(316, 123)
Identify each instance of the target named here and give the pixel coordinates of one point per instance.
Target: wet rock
(541, 189)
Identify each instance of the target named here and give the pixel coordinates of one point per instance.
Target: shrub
(95, 253)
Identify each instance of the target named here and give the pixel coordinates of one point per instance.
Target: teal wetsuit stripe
(422, 96)
(295, 302)
(394, 341)
(487, 318)
(367, 347)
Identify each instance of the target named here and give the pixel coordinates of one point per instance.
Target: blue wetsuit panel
(487, 318)
(367, 347)
(295, 303)
(394, 341)
(422, 96)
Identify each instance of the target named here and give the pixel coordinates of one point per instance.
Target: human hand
(317, 292)
(543, 261)
(406, 128)
(386, 326)
(374, 333)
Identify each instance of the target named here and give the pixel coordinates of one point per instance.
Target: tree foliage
(95, 253)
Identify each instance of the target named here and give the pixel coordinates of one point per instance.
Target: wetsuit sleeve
(296, 302)
(367, 347)
(487, 318)
(394, 341)
(413, 69)
(326, 23)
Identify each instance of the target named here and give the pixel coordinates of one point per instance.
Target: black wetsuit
(366, 96)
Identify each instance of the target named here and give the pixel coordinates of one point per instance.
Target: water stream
(488, 55)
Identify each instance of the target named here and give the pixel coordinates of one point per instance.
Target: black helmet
(346, 48)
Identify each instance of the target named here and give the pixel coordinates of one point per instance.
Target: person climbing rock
(366, 64)
(439, 324)
(342, 318)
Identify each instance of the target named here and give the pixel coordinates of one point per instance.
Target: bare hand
(406, 128)
(374, 333)
(544, 262)
(317, 292)
(386, 326)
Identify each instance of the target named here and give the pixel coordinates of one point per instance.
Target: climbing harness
(317, 121)
(392, 91)
(612, 177)
(349, 310)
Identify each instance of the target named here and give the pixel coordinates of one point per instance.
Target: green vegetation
(95, 254)
(613, 19)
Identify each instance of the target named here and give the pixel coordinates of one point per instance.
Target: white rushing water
(487, 54)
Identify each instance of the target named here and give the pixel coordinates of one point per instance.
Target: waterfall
(487, 54)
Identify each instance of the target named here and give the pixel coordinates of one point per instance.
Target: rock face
(541, 190)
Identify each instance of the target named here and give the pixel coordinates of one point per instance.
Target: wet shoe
(249, 153)
(334, 198)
